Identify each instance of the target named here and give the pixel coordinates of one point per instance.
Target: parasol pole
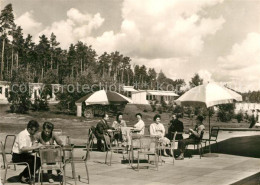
(209, 154)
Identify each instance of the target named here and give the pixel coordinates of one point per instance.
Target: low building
(147, 96)
(34, 88)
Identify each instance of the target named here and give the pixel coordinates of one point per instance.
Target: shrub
(224, 116)
(239, 117)
(153, 105)
(226, 112)
(178, 110)
(160, 109)
(40, 105)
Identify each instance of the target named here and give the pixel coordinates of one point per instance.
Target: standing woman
(117, 124)
(47, 137)
(157, 130)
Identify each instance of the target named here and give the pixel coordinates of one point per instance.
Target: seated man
(175, 126)
(23, 147)
(193, 138)
(101, 129)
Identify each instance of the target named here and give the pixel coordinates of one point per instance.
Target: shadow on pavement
(248, 146)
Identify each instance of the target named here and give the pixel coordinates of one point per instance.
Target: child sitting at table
(47, 137)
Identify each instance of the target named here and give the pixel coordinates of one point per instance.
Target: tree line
(46, 60)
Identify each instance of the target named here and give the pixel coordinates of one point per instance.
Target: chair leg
(4, 180)
(87, 171)
(29, 171)
(3, 161)
(40, 176)
(111, 156)
(64, 174)
(155, 160)
(138, 161)
(106, 157)
(74, 174)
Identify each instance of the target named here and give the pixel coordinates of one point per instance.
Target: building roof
(129, 89)
(161, 93)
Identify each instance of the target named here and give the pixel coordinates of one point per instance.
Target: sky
(218, 39)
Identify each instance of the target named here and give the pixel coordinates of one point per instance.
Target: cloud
(76, 27)
(242, 66)
(160, 29)
(28, 24)
(205, 75)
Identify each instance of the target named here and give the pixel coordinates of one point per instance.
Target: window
(1, 89)
(6, 92)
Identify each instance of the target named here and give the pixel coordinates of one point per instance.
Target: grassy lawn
(77, 127)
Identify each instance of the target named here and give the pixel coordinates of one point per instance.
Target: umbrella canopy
(209, 94)
(103, 97)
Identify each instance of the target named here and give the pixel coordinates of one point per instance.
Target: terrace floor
(224, 169)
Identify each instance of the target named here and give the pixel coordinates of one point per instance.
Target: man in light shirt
(23, 147)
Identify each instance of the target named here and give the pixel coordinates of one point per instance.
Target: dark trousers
(25, 157)
(184, 142)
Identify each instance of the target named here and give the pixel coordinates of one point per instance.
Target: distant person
(23, 147)
(157, 130)
(117, 124)
(101, 129)
(175, 126)
(253, 119)
(48, 137)
(193, 138)
(139, 126)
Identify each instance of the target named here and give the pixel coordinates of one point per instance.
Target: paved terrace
(225, 169)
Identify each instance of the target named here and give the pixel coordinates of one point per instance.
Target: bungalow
(147, 96)
(34, 88)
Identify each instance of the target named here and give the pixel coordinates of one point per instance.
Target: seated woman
(139, 126)
(47, 137)
(117, 126)
(157, 130)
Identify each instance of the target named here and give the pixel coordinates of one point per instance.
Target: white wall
(139, 98)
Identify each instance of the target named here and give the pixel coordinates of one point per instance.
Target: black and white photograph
(132, 92)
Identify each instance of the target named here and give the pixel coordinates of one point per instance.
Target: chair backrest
(58, 132)
(65, 139)
(107, 141)
(50, 154)
(9, 142)
(148, 143)
(3, 152)
(214, 132)
(201, 135)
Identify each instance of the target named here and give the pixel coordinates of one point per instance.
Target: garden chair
(82, 159)
(135, 145)
(148, 146)
(198, 144)
(7, 163)
(112, 148)
(8, 146)
(91, 137)
(51, 159)
(213, 136)
(170, 147)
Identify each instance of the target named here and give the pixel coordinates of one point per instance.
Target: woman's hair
(48, 125)
(139, 115)
(117, 116)
(156, 116)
